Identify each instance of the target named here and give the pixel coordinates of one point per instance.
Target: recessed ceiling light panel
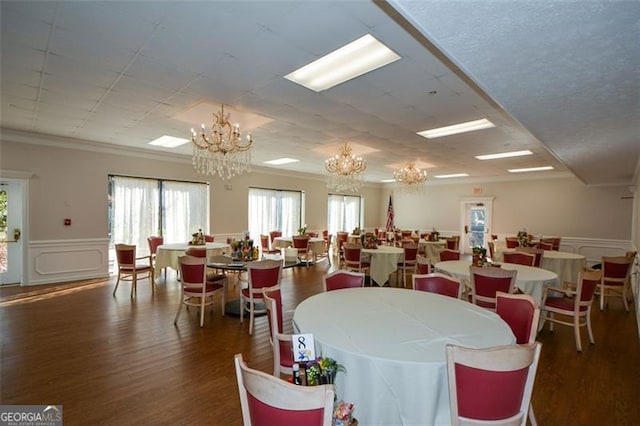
(469, 126)
(531, 169)
(281, 161)
(503, 155)
(355, 59)
(169, 141)
(454, 175)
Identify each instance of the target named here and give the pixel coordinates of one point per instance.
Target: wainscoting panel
(67, 260)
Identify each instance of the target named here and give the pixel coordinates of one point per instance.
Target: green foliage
(3, 211)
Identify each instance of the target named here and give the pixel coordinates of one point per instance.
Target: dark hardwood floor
(116, 361)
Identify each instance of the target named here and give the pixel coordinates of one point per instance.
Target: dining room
(100, 96)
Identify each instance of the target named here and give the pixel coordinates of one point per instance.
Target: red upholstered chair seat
(563, 303)
(266, 415)
(210, 287)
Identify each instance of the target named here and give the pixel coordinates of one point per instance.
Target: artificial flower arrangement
(302, 230)
(356, 231)
(479, 256)
(342, 413)
(198, 239)
(322, 371)
(523, 238)
(369, 241)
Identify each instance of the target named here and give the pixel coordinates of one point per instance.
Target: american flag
(390, 215)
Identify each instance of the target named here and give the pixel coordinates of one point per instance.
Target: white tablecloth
(392, 344)
(567, 265)
(529, 279)
(384, 261)
(316, 245)
(432, 249)
(167, 254)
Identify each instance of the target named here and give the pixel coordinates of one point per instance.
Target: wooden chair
(615, 279)
(197, 289)
(512, 242)
(263, 273)
(341, 240)
(522, 315)
(485, 283)
(423, 265)
(268, 400)
(492, 250)
(353, 259)
(153, 243)
(130, 267)
(453, 243)
(536, 251)
(491, 386)
(545, 246)
(438, 283)
(340, 279)
(301, 243)
(519, 258)
(408, 263)
(447, 254)
(209, 238)
(273, 235)
(576, 304)
(264, 245)
(281, 344)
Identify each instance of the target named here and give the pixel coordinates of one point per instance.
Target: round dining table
(529, 279)
(566, 264)
(384, 261)
(167, 254)
(431, 249)
(391, 343)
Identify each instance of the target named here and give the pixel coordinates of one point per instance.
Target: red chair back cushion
(266, 415)
(518, 314)
(489, 395)
(338, 281)
(439, 285)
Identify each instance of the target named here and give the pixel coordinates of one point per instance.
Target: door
(11, 241)
(476, 222)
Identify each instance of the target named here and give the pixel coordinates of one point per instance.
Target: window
(141, 207)
(344, 213)
(275, 210)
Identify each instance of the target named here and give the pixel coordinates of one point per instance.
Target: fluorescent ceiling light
(169, 141)
(457, 128)
(503, 155)
(455, 175)
(280, 161)
(356, 58)
(387, 180)
(531, 169)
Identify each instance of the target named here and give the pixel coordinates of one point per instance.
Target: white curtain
(274, 210)
(135, 217)
(185, 210)
(343, 213)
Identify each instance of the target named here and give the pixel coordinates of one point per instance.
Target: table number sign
(303, 347)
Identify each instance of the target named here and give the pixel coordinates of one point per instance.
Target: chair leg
(117, 282)
(251, 313)
(602, 297)
(175, 321)
(224, 296)
(532, 416)
(576, 332)
(589, 329)
(551, 316)
(202, 306)
(624, 297)
(242, 303)
(133, 285)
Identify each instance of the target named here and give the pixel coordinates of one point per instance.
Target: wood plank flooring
(117, 361)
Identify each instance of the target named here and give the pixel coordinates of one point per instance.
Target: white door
(475, 223)
(11, 227)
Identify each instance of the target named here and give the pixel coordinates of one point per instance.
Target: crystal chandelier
(222, 152)
(345, 170)
(410, 178)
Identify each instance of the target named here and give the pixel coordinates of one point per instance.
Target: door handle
(16, 234)
(466, 229)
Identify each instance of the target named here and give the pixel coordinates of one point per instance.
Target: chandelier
(221, 152)
(410, 177)
(345, 170)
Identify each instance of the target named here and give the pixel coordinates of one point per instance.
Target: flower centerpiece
(302, 230)
(369, 241)
(342, 414)
(356, 231)
(322, 371)
(197, 239)
(479, 256)
(523, 238)
(435, 235)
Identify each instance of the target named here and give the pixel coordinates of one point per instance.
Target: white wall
(551, 207)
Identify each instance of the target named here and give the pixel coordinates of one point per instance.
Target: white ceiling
(558, 78)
